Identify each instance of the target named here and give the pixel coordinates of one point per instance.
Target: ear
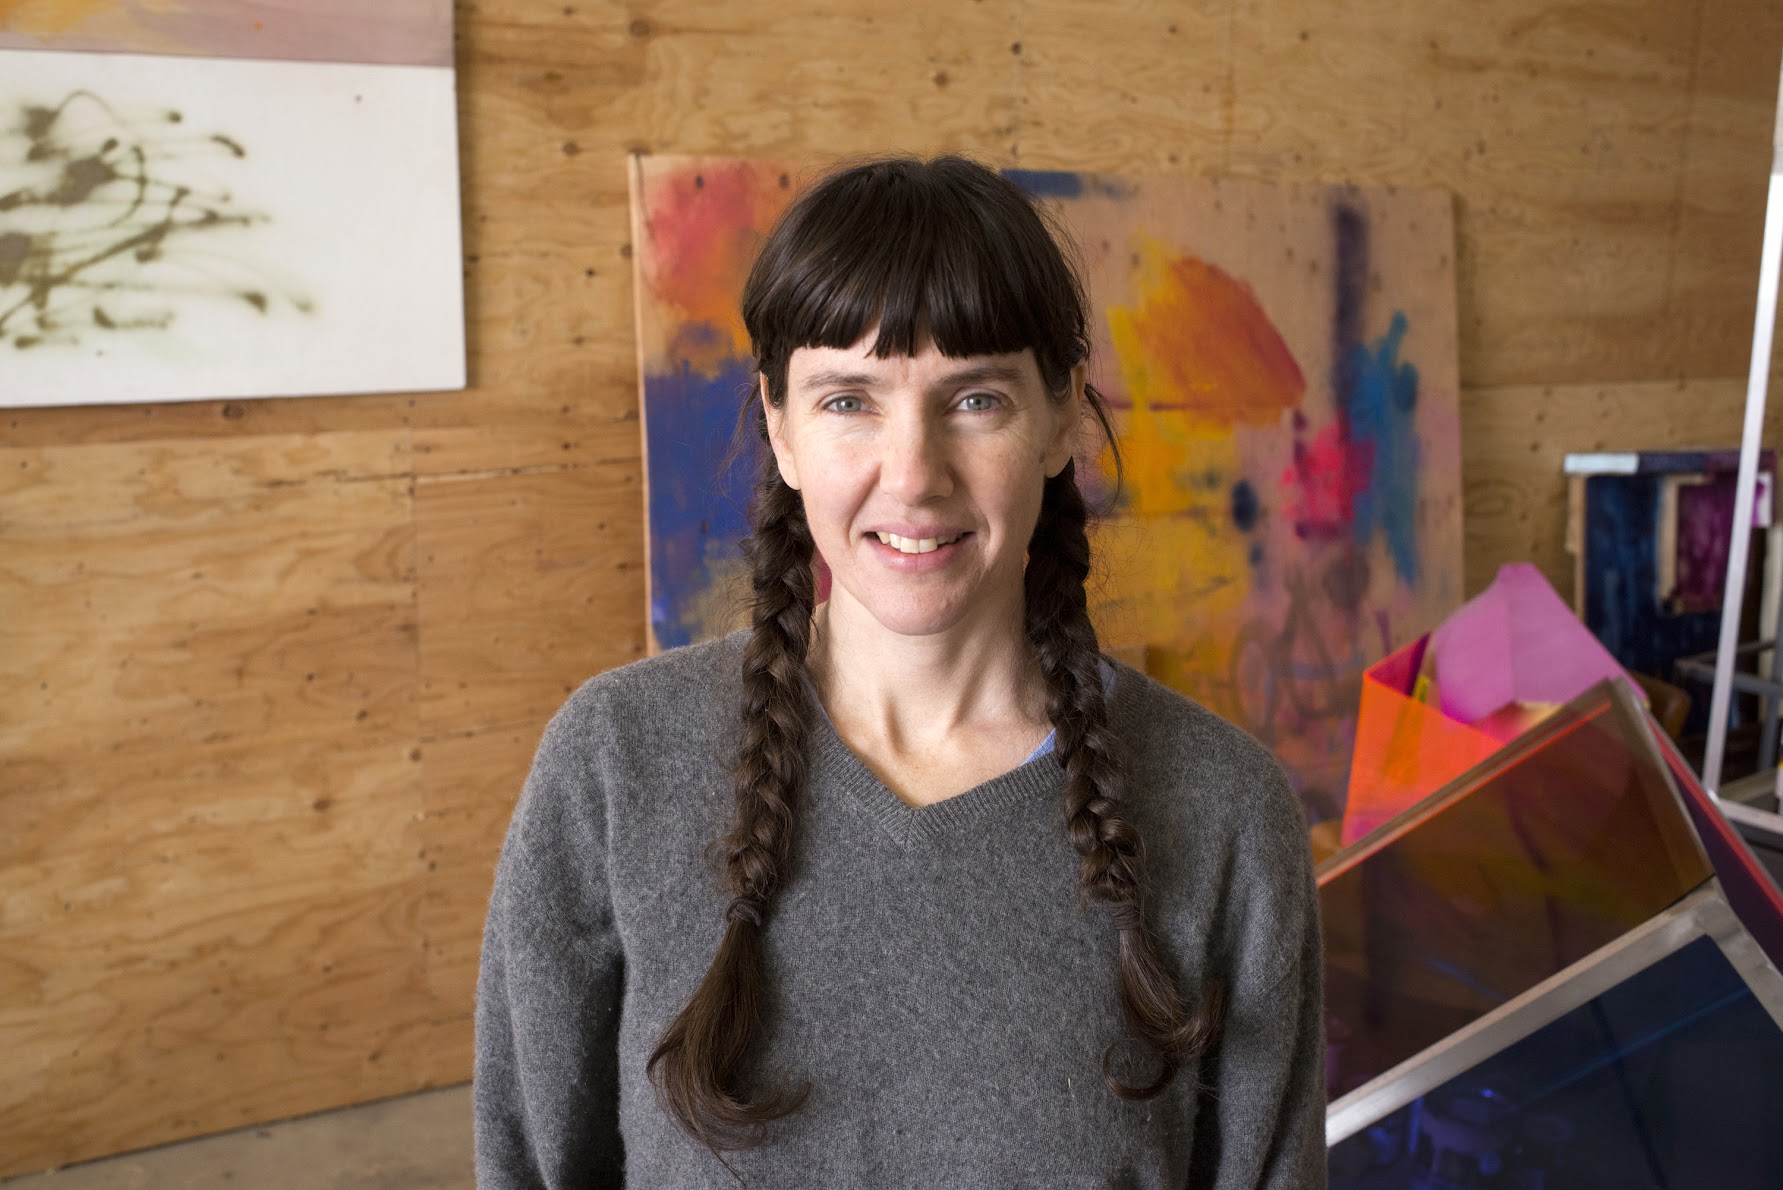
(789, 470)
(1070, 418)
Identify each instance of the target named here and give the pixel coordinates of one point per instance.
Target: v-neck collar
(835, 766)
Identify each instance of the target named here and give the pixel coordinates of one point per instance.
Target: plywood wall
(271, 672)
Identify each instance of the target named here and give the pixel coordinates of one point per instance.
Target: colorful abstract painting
(1282, 364)
(218, 199)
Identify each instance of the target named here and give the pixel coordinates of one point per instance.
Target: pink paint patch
(1321, 485)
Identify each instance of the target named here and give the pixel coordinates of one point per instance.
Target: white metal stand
(1756, 378)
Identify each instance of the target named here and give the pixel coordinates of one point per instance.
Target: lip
(896, 559)
(908, 530)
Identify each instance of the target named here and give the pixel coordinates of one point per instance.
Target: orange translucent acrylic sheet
(1523, 865)
(1405, 748)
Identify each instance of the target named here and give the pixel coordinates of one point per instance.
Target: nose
(913, 465)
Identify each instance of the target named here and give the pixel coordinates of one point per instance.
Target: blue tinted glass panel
(1672, 1080)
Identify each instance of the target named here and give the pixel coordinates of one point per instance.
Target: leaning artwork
(216, 198)
(1282, 364)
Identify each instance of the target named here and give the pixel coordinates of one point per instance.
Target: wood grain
(208, 784)
(528, 580)
(271, 671)
(1514, 440)
(475, 781)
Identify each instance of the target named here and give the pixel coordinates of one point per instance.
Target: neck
(912, 692)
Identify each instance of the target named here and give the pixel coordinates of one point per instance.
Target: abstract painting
(227, 199)
(394, 32)
(1282, 364)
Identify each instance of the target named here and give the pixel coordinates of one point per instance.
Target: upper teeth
(917, 545)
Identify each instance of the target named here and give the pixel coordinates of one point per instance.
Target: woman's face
(922, 475)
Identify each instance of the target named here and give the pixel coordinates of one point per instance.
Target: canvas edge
(634, 177)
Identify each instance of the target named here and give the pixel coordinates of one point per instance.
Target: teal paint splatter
(1382, 404)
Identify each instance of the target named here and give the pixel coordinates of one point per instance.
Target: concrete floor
(417, 1142)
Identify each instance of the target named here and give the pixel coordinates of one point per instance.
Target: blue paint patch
(1245, 506)
(1112, 187)
(1349, 276)
(698, 509)
(1381, 406)
(1047, 183)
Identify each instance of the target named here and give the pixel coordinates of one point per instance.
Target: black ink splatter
(111, 223)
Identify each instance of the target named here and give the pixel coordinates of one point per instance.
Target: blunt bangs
(945, 249)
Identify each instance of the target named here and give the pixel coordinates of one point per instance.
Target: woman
(983, 907)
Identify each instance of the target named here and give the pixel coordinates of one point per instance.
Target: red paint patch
(705, 226)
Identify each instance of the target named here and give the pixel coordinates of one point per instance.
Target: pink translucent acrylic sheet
(1551, 848)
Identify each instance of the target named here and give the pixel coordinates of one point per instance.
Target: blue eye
(844, 405)
(979, 402)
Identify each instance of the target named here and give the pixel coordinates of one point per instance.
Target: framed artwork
(227, 198)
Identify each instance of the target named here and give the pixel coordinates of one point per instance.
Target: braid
(697, 1066)
(1113, 871)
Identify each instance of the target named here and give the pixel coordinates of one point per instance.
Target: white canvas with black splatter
(175, 228)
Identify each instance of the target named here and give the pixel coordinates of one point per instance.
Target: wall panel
(271, 671)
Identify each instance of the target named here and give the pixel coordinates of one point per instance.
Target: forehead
(857, 364)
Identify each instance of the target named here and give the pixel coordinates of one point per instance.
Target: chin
(902, 616)
(915, 621)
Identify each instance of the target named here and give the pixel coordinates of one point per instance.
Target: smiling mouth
(917, 545)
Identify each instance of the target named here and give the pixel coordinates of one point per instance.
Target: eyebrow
(975, 374)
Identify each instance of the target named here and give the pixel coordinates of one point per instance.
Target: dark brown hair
(950, 250)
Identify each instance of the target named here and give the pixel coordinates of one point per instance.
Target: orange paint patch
(1200, 341)
(48, 17)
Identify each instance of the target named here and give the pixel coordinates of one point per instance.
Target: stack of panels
(1540, 977)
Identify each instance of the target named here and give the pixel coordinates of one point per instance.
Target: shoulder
(663, 718)
(1229, 825)
(676, 674)
(676, 692)
(1200, 757)
(635, 733)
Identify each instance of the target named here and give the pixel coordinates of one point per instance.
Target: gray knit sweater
(936, 977)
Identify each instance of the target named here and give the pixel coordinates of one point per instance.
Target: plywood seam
(1681, 182)
(480, 473)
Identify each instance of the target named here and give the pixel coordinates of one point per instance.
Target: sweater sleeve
(1261, 1125)
(545, 1092)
